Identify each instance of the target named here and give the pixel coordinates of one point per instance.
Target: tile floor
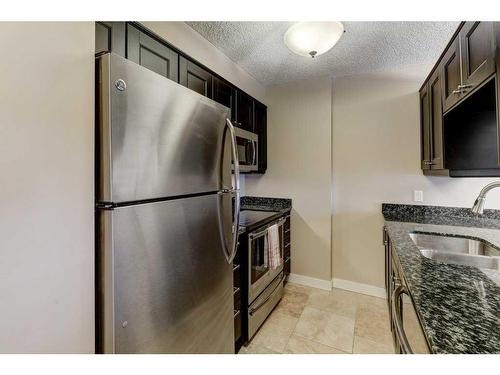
(309, 320)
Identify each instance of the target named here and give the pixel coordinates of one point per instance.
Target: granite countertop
(280, 206)
(458, 306)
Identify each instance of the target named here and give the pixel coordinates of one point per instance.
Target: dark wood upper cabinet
(260, 127)
(477, 40)
(224, 93)
(431, 119)
(425, 129)
(152, 54)
(195, 77)
(452, 75)
(468, 62)
(244, 111)
(459, 105)
(110, 37)
(436, 120)
(136, 43)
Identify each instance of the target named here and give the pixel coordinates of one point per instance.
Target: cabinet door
(452, 78)
(261, 130)
(477, 42)
(436, 120)
(425, 128)
(244, 111)
(110, 37)
(224, 94)
(152, 54)
(195, 77)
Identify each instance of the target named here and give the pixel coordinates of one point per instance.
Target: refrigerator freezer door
(156, 138)
(165, 285)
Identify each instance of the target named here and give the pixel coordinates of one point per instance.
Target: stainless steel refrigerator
(167, 215)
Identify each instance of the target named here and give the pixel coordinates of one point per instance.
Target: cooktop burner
(249, 217)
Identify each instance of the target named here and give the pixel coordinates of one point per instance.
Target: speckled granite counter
(458, 306)
(280, 206)
(265, 204)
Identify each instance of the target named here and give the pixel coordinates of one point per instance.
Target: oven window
(258, 257)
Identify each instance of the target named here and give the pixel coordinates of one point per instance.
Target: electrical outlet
(418, 196)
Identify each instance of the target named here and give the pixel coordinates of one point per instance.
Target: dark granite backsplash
(265, 204)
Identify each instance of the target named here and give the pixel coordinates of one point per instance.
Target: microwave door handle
(254, 158)
(235, 227)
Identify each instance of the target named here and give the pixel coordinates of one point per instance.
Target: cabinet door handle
(426, 162)
(396, 316)
(457, 91)
(464, 87)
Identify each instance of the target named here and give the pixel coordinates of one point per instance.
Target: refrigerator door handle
(236, 189)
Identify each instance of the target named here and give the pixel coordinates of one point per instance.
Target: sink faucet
(481, 198)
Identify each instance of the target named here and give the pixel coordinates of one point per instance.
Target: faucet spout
(478, 206)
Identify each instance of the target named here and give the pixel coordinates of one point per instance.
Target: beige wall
(46, 189)
(192, 43)
(299, 146)
(376, 153)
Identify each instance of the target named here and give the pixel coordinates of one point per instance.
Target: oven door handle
(253, 310)
(255, 235)
(396, 316)
(280, 223)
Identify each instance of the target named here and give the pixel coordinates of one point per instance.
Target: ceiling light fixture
(312, 39)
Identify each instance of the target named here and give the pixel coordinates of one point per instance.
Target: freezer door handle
(236, 191)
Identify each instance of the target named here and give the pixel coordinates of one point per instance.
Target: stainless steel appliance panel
(248, 150)
(164, 270)
(260, 309)
(156, 137)
(259, 273)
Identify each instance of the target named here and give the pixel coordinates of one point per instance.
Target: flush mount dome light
(312, 39)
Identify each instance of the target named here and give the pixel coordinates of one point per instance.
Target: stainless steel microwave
(248, 152)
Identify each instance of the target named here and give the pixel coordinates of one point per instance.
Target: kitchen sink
(457, 250)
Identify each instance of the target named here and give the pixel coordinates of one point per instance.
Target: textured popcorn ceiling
(366, 47)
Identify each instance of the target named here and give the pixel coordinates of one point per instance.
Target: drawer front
(236, 275)
(287, 252)
(237, 298)
(260, 309)
(286, 268)
(237, 325)
(287, 237)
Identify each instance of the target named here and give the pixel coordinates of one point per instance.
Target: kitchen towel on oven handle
(273, 239)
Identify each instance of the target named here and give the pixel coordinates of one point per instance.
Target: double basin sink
(457, 250)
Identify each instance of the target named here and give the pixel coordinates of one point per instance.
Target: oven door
(247, 144)
(258, 263)
(260, 274)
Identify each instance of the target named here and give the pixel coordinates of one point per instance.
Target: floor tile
(300, 345)
(326, 328)
(292, 303)
(310, 320)
(300, 288)
(276, 331)
(366, 346)
(338, 302)
(256, 349)
(372, 322)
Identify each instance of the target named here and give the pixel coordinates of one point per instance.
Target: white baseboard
(310, 281)
(352, 286)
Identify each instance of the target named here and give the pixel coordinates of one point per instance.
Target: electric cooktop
(249, 217)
